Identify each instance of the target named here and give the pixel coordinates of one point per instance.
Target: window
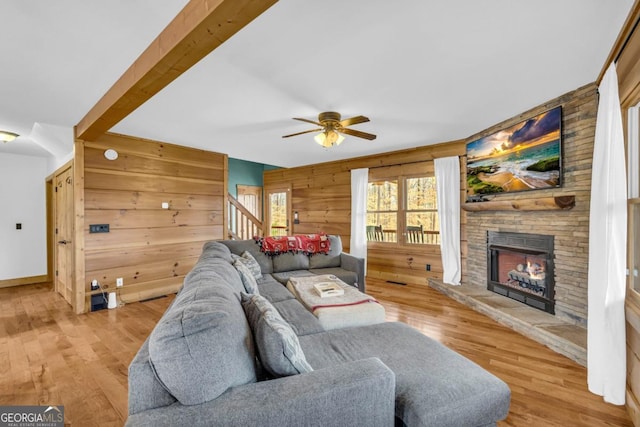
(278, 209)
(421, 214)
(382, 211)
(401, 205)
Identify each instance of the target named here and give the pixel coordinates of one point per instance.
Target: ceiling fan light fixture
(329, 138)
(332, 127)
(6, 136)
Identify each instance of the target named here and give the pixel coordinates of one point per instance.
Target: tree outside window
(382, 211)
(410, 219)
(421, 215)
(278, 214)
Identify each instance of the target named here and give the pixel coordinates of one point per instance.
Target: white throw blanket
(303, 289)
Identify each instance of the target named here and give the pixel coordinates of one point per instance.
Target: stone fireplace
(520, 266)
(565, 272)
(569, 227)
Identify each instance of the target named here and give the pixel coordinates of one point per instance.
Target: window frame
(387, 212)
(400, 174)
(406, 211)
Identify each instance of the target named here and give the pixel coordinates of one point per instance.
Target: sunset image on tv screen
(525, 156)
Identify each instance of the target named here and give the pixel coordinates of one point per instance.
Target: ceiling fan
(331, 128)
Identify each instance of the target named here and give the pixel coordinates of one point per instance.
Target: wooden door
(64, 265)
(251, 198)
(278, 212)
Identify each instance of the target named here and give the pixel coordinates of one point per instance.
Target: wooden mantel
(534, 204)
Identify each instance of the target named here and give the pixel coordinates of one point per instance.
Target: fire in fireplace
(520, 266)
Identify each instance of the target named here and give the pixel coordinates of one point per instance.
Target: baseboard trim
(23, 281)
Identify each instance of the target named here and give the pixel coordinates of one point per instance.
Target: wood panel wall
(321, 194)
(632, 314)
(625, 52)
(151, 248)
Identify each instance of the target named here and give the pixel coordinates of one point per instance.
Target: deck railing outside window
(403, 210)
(278, 230)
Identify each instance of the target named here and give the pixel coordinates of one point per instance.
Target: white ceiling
(424, 72)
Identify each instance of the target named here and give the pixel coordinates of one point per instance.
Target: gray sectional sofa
(346, 267)
(205, 363)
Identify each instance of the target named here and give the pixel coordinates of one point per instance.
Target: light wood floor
(48, 355)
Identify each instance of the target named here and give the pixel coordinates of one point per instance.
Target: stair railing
(242, 224)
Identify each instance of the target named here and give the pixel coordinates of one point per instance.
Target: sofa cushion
(215, 249)
(290, 261)
(331, 259)
(273, 290)
(215, 271)
(239, 246)
(301, 320)
(202, 345)
(435, 386)
(248, 280)
(284, 276)
(145, 391)
(278, 345)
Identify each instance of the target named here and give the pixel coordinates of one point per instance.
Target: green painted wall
(246, 173)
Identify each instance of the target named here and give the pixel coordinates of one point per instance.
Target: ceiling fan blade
(358, 134)
(308, 121)
(354, 121)
(302, 133)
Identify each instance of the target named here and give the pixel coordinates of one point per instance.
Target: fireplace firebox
(520, 266)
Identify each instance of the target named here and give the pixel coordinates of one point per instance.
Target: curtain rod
(626, 42)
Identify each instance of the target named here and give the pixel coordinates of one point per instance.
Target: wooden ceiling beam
(198, 29)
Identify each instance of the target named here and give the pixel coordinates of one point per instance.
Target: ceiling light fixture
(6, 136)
(110, 154)
(329, 137)
(332, 128)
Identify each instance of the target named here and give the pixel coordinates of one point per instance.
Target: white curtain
(606, 352)
(448, 195)
(633, 152)
(358, 242)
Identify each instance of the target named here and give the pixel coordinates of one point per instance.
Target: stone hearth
(559, 335)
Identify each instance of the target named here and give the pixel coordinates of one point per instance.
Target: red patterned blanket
(308, 244)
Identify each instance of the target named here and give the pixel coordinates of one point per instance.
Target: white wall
(54, 163)
(23, 253)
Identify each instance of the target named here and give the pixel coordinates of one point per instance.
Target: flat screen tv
(525, 156)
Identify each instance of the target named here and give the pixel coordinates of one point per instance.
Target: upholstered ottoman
(353, 308)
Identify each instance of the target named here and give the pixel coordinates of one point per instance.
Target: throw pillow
(278, 346)
(202, 345)
(252, 264)
(248, 281)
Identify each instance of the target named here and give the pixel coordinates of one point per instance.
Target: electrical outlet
(428, 267)
(98, 228)
(119, 282)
